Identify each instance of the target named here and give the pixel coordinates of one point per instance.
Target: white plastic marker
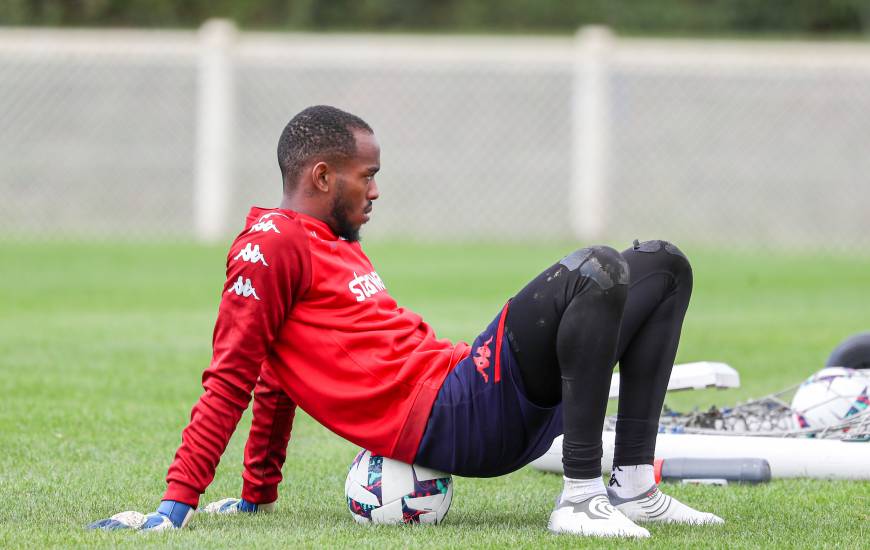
(788, 457)
(693, 376)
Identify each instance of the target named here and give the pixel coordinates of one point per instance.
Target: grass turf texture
(102, 346)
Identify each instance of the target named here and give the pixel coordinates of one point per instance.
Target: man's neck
(288, 203)
(303, 207)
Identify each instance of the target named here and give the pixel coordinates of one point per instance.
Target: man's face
(355, 188)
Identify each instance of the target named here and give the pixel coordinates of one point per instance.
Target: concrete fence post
(214, 129)
(590, 133)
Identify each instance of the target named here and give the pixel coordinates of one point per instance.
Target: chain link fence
(112, 135)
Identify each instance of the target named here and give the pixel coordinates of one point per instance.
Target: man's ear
(320, 176)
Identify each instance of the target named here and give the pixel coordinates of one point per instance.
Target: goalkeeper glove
(169, 515)
(237, 505)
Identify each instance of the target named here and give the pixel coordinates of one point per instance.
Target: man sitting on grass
(305, 320)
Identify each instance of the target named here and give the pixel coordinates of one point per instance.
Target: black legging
(576, 320)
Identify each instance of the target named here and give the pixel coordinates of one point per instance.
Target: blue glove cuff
(177, 512)
(245, 506)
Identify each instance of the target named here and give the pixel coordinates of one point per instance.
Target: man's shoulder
(272, 221)
(273, 247)
(274, 231)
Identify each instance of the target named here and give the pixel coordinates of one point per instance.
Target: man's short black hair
(320, 130)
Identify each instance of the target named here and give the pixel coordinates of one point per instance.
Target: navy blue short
(482, 424)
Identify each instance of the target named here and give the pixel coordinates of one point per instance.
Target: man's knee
(601, 264)
(670, 257)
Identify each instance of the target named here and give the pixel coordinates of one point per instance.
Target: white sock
(630, 481)
(578, 490)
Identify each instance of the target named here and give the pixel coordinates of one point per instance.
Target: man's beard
(343, 227)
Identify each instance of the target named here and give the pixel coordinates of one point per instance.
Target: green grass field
(102, 346)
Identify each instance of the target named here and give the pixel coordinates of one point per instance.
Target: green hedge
(632, 16)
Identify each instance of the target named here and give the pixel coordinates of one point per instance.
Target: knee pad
(601, 264)
(674, 259)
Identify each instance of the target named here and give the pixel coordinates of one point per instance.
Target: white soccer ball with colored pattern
(830, 397)
(380, 490)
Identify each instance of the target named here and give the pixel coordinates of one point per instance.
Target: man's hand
(124, 520)
(170, 515)
(236, 506)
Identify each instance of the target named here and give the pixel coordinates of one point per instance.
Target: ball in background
(831, 396)
(381, 490)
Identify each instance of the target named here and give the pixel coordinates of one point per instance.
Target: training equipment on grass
(769, 416)
(830, 396)
(693, 376)
(833, 442)
(852, 353)
(384, 491)
(740, 470)
(788, 457)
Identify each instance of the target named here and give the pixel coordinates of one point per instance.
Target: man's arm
(264, 269)
(266, 448)
(265, 272)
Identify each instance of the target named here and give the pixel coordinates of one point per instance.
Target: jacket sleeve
(266, 449)
(266, 269)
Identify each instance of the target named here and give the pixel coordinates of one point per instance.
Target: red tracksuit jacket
(305, 318)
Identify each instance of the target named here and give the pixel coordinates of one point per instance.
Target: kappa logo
(270, 214)
(244, 288)
(481, 359)
(365, 286)
(267, 225)
(613, 480)
(252, 255)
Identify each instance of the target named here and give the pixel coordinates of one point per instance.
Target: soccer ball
(385, 491)
(830, 396)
